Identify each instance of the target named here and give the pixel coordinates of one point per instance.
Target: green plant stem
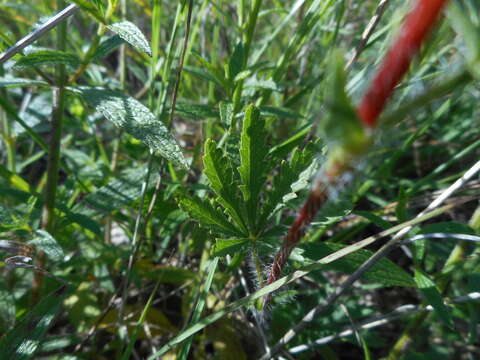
(53, 164)
(247, 42)
(444, 276)
(7, 132)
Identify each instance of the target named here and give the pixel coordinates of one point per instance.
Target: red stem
(397, 61)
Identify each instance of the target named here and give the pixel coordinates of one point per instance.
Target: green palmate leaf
(131, 34)
(107, 46)
(253, 162)
(384, 272)
(22, 342)
(431, 294)
(224, 247)
(47, 57)
(208, 216)
(290, 173)
(130, 115)
(45, 242)
(12, 82)
(220, 174)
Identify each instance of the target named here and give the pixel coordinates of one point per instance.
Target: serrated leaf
(47, 57)
(384, 272)
(224, 247)
(289, 174)
(132, 116)
(129, 32)
(12, 82)
(45, 242)
(107, 46)
(208, 216)
(253, 162)
(429, 290)
(23, 341)
(221, 177)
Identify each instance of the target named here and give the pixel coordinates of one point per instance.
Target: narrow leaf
(253, 162)
(130, 115)
(129, 32)
(431, 294)
(384, 271)
(11, 82)
(47, 57)
(22, 342)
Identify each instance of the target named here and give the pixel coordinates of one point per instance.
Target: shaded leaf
(47, 57)
(45, 242)
(224, 247)
(384, 271)
(107, 46)
(129, 32)
(11, 82)
(431, 294)
(130, 115)
(22, 342)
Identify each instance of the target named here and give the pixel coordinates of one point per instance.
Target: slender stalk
(247, 42)
(390, 73)
(48, 211)
(456, 256)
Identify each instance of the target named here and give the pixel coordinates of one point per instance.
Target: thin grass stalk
(457, 255)
(53, 164)
(387, 77)
(247, 42)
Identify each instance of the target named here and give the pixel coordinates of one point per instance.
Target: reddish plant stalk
(417, 24)
(397, 61)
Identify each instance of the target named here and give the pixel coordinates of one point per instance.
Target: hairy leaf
(208, 216)
(130, 115)
(253, 162)
(129, 32)
(221, 176)
(224, 247)
(290, 173)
